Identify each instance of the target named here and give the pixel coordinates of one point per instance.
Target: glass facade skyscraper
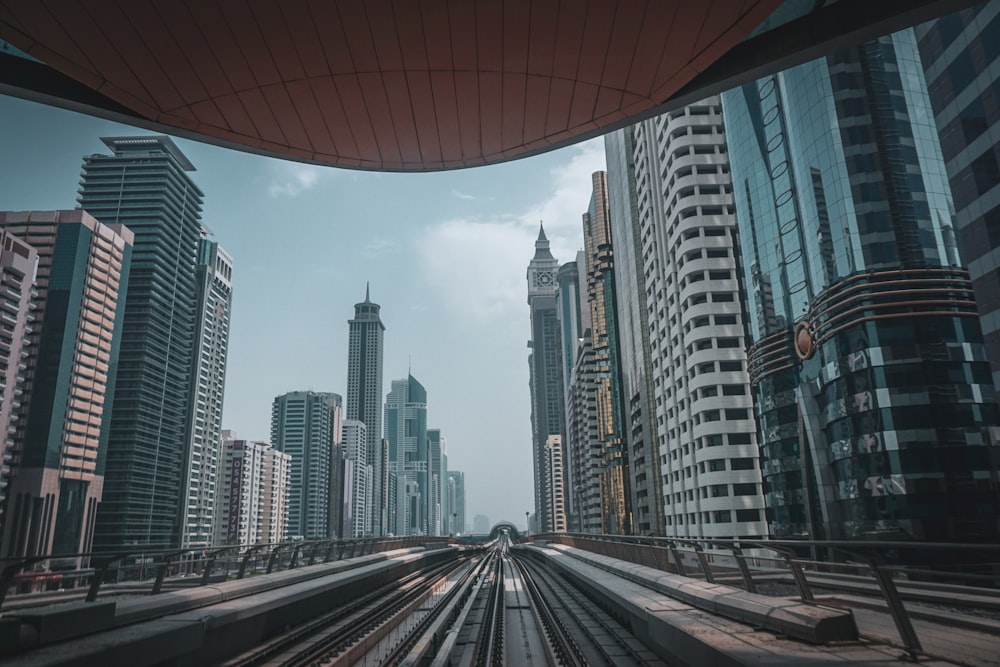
(409, 458)
(144, 185)
(364, 399)
(961, 58)
(873, 392)
(307, 425)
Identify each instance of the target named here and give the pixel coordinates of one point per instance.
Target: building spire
(542, 245)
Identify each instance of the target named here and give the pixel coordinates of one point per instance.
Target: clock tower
(542, 268)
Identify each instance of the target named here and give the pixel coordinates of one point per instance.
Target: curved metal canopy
(378, 84)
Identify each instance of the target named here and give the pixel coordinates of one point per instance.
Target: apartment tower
(72, 358)
(689, 404)
(214, 276)
(144, 185)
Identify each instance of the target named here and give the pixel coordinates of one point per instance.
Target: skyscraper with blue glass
(144, 185)
(873, 392)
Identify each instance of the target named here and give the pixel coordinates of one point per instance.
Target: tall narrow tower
(145, 185)
(214, 272)
(364, 396)
(545, 364)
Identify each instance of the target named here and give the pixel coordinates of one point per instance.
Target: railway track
(494, 609)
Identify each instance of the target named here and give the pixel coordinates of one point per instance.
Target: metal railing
(885, 561)
(37, 578)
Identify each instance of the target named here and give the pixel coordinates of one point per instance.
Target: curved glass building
(874, 396)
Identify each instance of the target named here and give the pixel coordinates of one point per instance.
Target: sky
(445, 254)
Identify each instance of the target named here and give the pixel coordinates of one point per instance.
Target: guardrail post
(99, 572)
(678, 561)
(161, 571)
(896, 608)
(251, 550)
(274, 556)
(703, 560)
(295, 555)
(329, 551)
(799, 575)
(744, 569)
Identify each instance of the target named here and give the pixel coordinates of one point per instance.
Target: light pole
(527, 524)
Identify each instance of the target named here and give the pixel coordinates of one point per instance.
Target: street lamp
(527, 524)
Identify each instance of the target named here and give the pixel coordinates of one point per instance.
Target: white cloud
(462, 195)
(292, 179)
(380, 246)
(477, 265)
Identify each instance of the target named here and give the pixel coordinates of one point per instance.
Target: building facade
(364, 399)
(583, 451)
(874, 395)
(687, 269)
(17, 274)
(437, 448)
(960, 54)
(456, 502)
(409, 456)
(355, 444)
(545, 371)
(615, 476)
(555, 479)
(252, 493)
(633, 332)
(214, 275)
(72, 351)
(144, 185)
(306, 425)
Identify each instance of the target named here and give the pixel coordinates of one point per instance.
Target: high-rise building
(274, 507)
(144, 185)
(437, 447)
(555, 479)
(701, 430)
(17, 273)
(214, 274)
(583, 446)
(409, 458)
(545, 370)
(253, 492)
(616, 496)
(306, 425)
(355, 444)
(456, 502)
(364, 398)
(961, 59)
(632, 260)
(72, 352)
(581, 441)
(874, 395)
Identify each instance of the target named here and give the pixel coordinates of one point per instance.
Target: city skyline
(445, 248)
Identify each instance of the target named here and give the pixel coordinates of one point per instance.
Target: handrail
(154, 565)
(870, 552)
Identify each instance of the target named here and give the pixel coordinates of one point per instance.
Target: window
(740, 439)
(719, 490)
(744, 489)
(741, 413)
(734, 390)
(747, 515)
(722, 516)
(742, 464)
(729, 342)
(730, 365)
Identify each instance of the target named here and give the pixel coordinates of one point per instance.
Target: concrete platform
(206, 625)
(682, 634)
(809, 622)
